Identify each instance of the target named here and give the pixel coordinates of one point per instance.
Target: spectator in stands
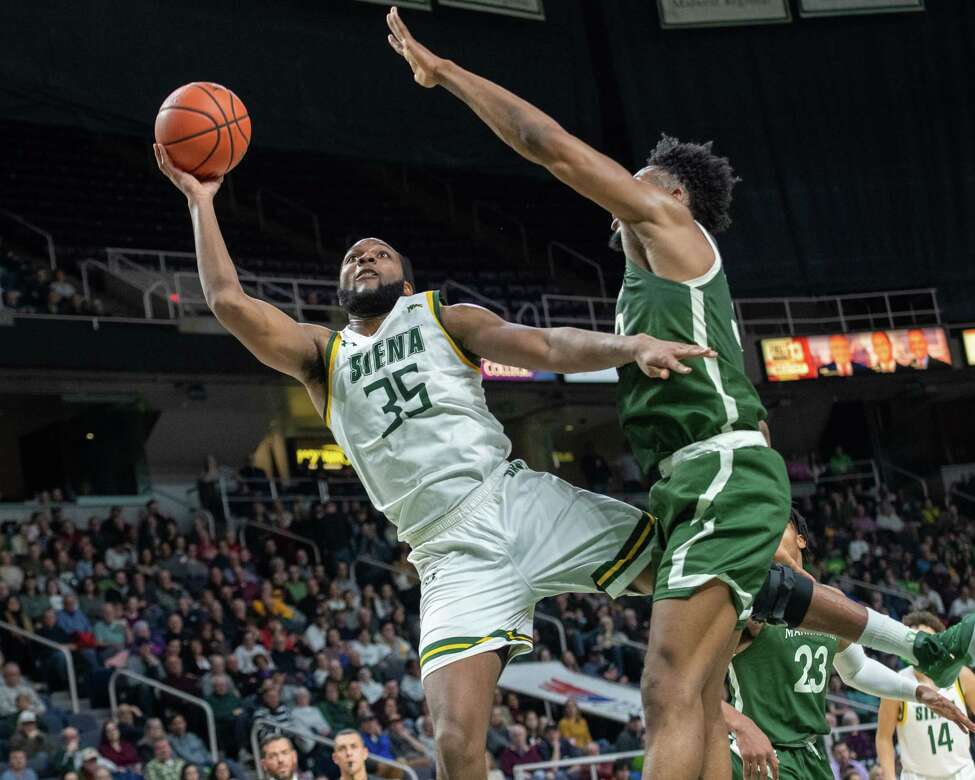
(962, 605)
(371, 689)
(518, 752)
(928, 600)
(631, 738)
(117, 750)
(376, 742)
(246, 652)
(272, 708)
(498, 737)
(13, 686)
(67, 757)
(16, 648)
(554, 747)
(408, 749)
(493, 773)
(843, 761)
(858, 547)
(308, 718)
(888, 519)
(164, 766)
(840, 463)
(146, 746)
(222, 771)
(337, 711)
(112, 634)
(227, 711)
(187, 745)
(18, 769)
(573, 726)
(72, 620)
(61, 285)
(33, 742)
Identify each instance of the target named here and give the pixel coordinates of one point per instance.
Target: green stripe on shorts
(457, 644)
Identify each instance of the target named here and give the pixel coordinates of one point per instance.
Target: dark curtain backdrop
(853, 136)
(314, 74)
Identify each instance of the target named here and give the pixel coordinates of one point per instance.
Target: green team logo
(386, 352)
(414, 307)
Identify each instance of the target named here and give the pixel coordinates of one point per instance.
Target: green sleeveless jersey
(780, 681)
(660, 417)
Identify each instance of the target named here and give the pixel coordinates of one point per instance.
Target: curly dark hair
(707, 178)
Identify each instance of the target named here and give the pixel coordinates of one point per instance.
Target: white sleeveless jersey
(407, 406)
(930, 745)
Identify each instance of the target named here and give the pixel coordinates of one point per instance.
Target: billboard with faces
(866, 353)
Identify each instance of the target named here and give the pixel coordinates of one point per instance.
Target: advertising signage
(791, 358)
(498, 372)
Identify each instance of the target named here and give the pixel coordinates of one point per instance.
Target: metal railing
(481, 206)
(776, 316)
(262, 218)
(896, 593)
(859, 705)
(370, 561)
(523, 771)
(207, 709)
(579, 311)
(558, 246)
(909, 474)
(844, 313)
(48, 238)
(559, 628)
(63, 649)
(860, 470)
(317, 554)
(262, 724)
(521, 316)
(490, 303)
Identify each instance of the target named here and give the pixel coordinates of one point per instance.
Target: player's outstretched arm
(758, 757)
(884, 738)
(271, 335)
(866, 674)
(539, 138)
(565, 350)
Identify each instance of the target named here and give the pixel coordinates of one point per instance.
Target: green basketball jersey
(780, 681)
(661, 417)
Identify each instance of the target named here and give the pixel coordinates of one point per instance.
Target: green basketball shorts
(720, 515)
(795, 763)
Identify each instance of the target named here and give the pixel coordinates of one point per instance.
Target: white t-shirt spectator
(371, 689)
(930, 601)
(64, 288)
(309, 719)
(315, 637)
(370, 654)
(961, 607)
(857, 549)
(890, 521)
(245, 657)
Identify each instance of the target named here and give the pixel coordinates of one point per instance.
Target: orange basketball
(205, 128)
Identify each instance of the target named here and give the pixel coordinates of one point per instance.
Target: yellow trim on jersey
(333, 350)
(457, 350)
(902, 712)
(630, 554)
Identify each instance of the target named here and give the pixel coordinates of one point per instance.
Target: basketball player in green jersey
(724, 498)
(778, 680)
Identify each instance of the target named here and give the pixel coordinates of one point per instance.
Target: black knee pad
(784, 598)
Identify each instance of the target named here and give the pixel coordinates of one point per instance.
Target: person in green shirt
(779, 679)
(163, 766)
(227, 710)
(336, 710)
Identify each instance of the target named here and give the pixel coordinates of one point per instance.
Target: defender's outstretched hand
(657, 358)
(944, 707)
(192, 187)
(424, 63)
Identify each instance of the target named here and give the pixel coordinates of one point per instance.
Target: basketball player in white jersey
(400, 388)
(931, 747)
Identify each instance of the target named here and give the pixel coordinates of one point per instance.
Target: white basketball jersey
(407, 406)
(930, 745)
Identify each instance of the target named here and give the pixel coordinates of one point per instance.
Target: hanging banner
(499, 372)
(722, 13)
(551, 681)
(528, 9)
(844, 7)
(413, 5)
